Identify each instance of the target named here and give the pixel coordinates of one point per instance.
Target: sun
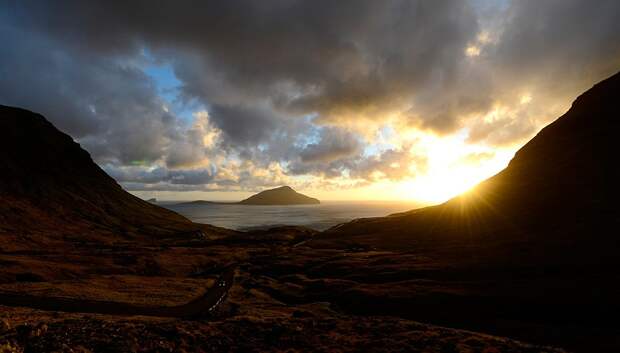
(439, 188)
(453, 167)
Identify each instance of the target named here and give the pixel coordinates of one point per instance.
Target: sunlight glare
(454, 167)
(472, 51)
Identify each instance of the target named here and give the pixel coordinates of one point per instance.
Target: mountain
(560, 191)
(51, 190)
(530, 253)
(283, 195)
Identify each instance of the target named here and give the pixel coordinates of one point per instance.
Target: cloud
(502, 126)
(243, 125)
(267, 91)
(340, 154)
(333, 144)
(157, 175)
(194, 146)
(108, 104)
(349, 59)
(567, 38)
(391, 164)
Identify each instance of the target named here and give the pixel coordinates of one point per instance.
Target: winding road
(196, 308)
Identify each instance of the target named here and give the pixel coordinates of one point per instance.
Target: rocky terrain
(264, 311)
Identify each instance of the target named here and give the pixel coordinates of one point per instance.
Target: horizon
(234, 199)
(173, 103)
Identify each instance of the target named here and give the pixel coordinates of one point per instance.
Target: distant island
(284, 195)
(202, 202)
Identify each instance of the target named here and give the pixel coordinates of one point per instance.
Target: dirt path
(198, 307)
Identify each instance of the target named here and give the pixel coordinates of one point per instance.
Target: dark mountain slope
(531, 253)
(558, 196)
(283, 195)
(51, 189)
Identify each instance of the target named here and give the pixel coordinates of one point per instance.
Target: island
(281, 196)
(284, 195)
(201, 202)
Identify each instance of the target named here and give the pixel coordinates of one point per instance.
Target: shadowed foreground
(197, 308)
(531, 254)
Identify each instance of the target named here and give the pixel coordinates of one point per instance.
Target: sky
(343, 100)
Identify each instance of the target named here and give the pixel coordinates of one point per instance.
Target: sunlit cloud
(472, 51)
(525, 99)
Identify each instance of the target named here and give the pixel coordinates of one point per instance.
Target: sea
(319, 217)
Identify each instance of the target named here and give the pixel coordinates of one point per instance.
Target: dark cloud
(333, 144)
(342, 60)
(561, 37)
(245, 126)
(160, 175)
(133, 186)
(556, 49)
(272, 74)
(108, 104)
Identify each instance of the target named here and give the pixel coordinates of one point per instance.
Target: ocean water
(319, 217)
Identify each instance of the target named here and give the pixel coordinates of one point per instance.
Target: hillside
(560, 191)
(50, 189)
(283, 195)
(531, 253)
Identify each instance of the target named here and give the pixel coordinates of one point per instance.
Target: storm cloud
(264, 91)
